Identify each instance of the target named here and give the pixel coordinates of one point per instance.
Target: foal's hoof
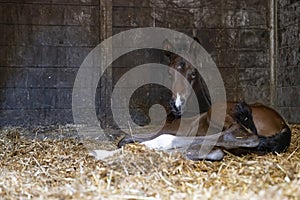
(125, 140)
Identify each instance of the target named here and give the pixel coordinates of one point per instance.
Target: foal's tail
(276, 143)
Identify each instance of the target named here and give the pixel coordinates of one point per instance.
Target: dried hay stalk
(62, 169)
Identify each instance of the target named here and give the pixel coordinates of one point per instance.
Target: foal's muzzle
(177, 110)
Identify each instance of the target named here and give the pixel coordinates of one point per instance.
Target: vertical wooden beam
(273, 52)
(105, 23)
(105, 19)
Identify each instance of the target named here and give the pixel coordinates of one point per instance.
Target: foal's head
(188, 75)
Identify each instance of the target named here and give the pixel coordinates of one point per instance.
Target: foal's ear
(168, 47)
(194, 44)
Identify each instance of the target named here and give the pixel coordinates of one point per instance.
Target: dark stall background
(254, 43)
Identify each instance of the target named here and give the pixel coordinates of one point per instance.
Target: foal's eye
(181, 65)
(193, 75)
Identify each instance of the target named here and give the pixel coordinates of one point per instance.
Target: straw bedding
(55, 164)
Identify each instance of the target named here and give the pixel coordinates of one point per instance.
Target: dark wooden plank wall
(288, 72)
(127, 15)
(235, 33)
(43, 42)
(42, 45)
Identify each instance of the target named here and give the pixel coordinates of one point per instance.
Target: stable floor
(52, 163)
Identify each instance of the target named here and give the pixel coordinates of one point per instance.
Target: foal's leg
(234, 137)
(138, 138)
(170, 128)
(193, 153)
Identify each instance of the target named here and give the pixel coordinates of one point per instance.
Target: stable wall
(235, 33)
(44, 42)
(288, 71)
(42, 45)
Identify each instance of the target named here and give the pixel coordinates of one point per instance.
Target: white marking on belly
(177, 101)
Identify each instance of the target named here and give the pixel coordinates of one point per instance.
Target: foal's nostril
(182, 101)
(173, 105)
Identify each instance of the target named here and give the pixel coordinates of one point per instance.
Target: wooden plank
(28, 35)
(53, 2)
(105, 23)
(132, 17)
(48, 14)
(131, 3)
(43, 56)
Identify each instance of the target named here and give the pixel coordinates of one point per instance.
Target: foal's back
(268, 122)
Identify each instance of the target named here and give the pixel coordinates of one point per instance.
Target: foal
(253, 128)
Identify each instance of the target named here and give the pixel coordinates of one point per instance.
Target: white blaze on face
(177, 101)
